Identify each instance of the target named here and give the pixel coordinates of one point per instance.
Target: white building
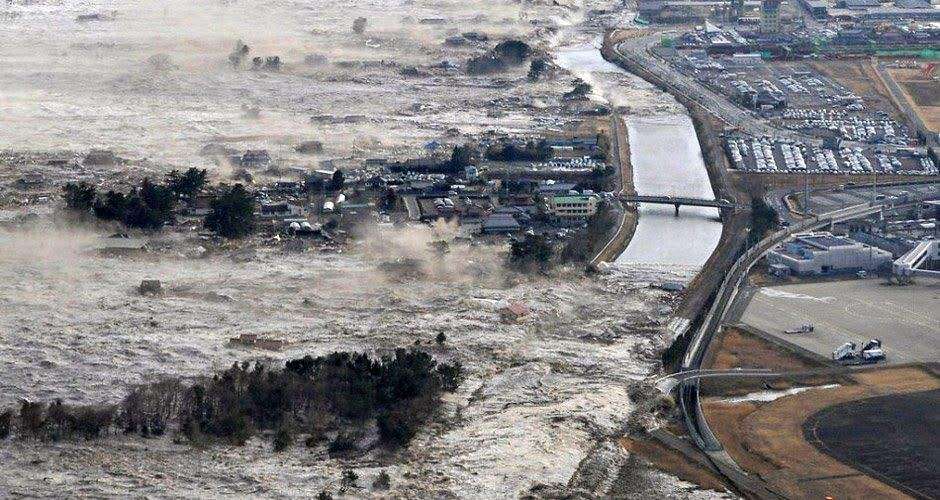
(572, 207)
(823, 253)
(920, 261)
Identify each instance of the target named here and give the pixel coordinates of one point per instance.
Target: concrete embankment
(626, 222)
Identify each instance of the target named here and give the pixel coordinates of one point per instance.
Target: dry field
(766, 438)
(923, 94)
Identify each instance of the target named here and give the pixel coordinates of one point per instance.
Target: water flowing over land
(544, 399)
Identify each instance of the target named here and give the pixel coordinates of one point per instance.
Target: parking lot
(905, 318)
(763, 154)
(798, 97)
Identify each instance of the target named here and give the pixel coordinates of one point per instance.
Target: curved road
(689, 389)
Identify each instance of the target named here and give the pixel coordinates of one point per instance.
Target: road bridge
(678, 201)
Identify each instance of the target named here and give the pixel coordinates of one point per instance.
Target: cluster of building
(834, 129)
(547, 186)
(503, 208)
(752, 26)
(909, 247)
(872, 10)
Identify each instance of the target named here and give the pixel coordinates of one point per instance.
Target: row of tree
(340, 393)
(509, 151)
(150, 206)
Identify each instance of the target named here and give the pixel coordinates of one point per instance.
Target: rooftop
(581, 198)
(826, 241)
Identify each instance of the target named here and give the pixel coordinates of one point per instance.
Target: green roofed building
(572, 208)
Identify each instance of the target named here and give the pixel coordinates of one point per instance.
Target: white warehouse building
(823, 253)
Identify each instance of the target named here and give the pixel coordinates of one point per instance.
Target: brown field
(859, 77)
(767, 438)
(735, 347)
(667, 459)
(923, 94)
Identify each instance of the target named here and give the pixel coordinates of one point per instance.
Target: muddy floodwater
(543, 401)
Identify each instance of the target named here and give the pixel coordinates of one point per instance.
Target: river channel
(666, 159)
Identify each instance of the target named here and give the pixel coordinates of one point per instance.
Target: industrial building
(822, 253)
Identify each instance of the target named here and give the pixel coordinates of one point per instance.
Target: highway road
(637, 51)
(828, 200)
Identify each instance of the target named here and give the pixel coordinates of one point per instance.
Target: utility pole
(806, 208)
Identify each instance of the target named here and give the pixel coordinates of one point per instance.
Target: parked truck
(847, 354)
(804, 328)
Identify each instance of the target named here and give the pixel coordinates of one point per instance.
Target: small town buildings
(199, 206)
(100, 157)
(253, 340)
(550, 187)
(500, 223)
(281, 210)
(119, 244)
(255, 158)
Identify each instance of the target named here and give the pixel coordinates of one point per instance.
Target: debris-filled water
(544, 396)
(539, 393)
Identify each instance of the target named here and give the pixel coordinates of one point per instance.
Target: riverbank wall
(626, 223)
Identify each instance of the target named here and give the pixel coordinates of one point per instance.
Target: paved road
(669, 382)
(828, 200)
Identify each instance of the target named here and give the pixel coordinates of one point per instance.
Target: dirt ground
(665, 458)
(859, 77)
(766, 438)
(735, 347)
(923, 94)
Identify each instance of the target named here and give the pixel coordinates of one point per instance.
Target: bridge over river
(679, 201)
